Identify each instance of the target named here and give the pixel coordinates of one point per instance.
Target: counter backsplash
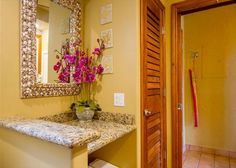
(120, 118)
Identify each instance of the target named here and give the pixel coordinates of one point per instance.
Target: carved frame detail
(29, 87)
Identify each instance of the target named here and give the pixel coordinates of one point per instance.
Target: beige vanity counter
(60, 135)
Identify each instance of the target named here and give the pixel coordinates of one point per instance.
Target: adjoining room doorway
(178, 10)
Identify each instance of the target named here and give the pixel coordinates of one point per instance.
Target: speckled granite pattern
(121, 118)
(110, 131)
(61, 134)
(65, 129)
(60, 118)
(111, 126)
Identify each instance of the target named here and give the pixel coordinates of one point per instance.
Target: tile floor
(199, 159)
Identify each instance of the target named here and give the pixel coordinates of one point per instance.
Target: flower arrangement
(75, 65)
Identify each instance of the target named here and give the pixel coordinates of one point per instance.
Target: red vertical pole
(194, 97)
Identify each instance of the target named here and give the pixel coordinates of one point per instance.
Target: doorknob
(180, 107)
(147, 112)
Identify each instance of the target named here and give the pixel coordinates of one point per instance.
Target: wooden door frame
(177, 10)
(142, 52)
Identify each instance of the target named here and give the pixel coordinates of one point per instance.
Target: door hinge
(163, 30)
(180, 107)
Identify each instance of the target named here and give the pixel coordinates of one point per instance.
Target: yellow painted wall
(11, 104)
(21, 151)
(125, 51)
(212, 33)
(121, 81)
(121, 153)
(125, 76)
(167, 4)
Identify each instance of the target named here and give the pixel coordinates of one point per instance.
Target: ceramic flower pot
(86, 115)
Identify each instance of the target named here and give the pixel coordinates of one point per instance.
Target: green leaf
(80, 109)
(80, 105)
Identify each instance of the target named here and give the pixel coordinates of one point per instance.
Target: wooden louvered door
(153, 85)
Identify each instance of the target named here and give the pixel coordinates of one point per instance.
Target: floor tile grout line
(201, 153)
(199, 159)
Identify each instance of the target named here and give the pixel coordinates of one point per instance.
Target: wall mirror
(45, 25)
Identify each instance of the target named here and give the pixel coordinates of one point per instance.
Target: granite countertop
(111, 126)
(57, 133)
(65, 129)
(110, 131)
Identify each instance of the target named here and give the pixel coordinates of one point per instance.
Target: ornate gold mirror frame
(29, 87)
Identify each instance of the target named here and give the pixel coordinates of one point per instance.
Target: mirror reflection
(53, 28)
